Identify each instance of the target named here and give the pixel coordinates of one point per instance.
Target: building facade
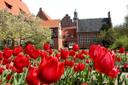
(82, 31)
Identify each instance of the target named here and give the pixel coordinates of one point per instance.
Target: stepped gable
(14, 6)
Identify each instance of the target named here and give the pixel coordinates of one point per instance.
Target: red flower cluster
(69, 63)
(20, 62)
(79, 67)
(103, 60)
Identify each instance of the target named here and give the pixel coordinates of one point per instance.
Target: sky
(86, 9)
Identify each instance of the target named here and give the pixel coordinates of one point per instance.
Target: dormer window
(8, 5)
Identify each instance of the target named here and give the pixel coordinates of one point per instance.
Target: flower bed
(31, 66)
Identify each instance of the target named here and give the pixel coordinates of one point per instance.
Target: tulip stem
(100, 79)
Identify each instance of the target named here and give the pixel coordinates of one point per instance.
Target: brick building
(68, 31)
(14, 6)
(55, 26)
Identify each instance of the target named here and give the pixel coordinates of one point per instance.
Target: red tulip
(6, 61)
(75, 47)
(79, 67)
(58, 55)
(43, 54)
(46, 46)
(35, 54)
(84, 52)
(21, 61)
(84, 84)
(118, 59)
(29, 49)
(7, 53)
(32, 78)
(80, 56)
(69, 63)
(18, 70)
(1, 55)
(87, 61)
(121, 50)
(50, 70)
(72, 53)
(8, 84)
(103, 60)
(17, 50)
(113, 73)
(126, 65)
(64, 53)
(50, 51)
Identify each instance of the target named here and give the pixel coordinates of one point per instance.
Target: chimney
(109, 15)
(110, 21)
(40, 9)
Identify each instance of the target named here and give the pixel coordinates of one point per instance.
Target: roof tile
(17, 6)
(51, 23)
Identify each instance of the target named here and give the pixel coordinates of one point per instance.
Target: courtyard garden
(27, 59)
(31, 66)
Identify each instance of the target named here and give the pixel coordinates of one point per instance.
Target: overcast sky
(86, 9)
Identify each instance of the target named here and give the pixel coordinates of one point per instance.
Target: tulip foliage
(32, 66)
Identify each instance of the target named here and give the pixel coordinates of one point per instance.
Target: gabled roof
(51, 23)
(92, 25)
(14, 6)
(43, 15)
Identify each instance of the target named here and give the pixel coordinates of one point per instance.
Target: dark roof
(92, 25)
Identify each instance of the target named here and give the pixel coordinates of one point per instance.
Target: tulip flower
(35, 54)
(7, 52)
(64, 53)
(50, 70)
(72, 53)
(75, 47)
(29, 49)
(46, 46)
(79, 67)
(121, 50)
(17, 50)
(126, 65)
(32, 78)
(103, 60)
(21, 61)
(1, 55)
(69, 63)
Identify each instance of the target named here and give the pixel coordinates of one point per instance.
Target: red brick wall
(86, 39)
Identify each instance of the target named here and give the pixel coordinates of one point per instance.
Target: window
(81, 39)
(8, 5)
(52, 43)
(54, 33)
